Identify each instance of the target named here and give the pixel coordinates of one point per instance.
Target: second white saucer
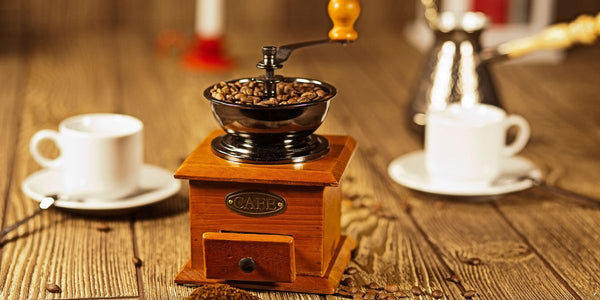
(409, 171)
(156, 184)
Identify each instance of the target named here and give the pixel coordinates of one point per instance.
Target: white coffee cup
(100, 154)
(466, 145)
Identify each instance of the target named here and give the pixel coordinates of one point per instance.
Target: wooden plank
(153, 97)
(564, 233)
(45, 17)
(561, 104)
(461, 230)
(11, 22)
(13, 62)
(64, 77)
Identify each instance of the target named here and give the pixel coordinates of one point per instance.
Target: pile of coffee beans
(220, 292)
(250, 92)
(348, 288)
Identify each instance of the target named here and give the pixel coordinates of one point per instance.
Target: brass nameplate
(254, 203)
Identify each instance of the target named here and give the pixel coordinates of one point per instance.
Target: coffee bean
(351, 271)
(358, 296)
(348, 281)
(288, 89)
(136, 261)
(53, 288)
(245, 90)
(453, 278)
(401, 294)
(271, 101)
(391, 288)
(382, 295)
(344, 294)
(308, 95)
(437, 294)
(218, 96)
(416, 290)
(374, 286)
(351, 289)
(469, 293)
(474, 261)
(370, 295)
(103, 227)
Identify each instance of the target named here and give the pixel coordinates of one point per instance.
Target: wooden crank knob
(343, 13)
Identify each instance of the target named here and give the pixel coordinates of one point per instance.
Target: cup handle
(39, 158)
(522, 137)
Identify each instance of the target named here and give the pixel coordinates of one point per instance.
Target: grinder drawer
(249, 257)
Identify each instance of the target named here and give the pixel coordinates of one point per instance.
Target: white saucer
(409, 171)
(156, 184)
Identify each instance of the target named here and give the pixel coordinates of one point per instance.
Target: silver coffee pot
(456, 70)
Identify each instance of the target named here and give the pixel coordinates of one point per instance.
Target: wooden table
(536, 244)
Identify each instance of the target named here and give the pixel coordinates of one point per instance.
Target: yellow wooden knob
(343, 13)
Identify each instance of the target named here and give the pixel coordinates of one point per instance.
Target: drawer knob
(247, 264)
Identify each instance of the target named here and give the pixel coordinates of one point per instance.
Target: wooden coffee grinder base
(271, 227)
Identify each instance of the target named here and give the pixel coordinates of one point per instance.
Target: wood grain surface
(534, 244)
(66, 77)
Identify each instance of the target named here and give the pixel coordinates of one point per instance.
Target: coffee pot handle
(39, 136)
(584, 30)
(522, 136)
(343, 14)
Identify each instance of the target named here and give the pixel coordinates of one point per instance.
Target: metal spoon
(556, 190)
(46, 203)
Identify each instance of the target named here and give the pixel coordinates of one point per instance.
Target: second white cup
(100, 154)
(465, 145)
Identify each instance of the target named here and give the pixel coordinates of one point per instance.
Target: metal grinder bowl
(271, 134)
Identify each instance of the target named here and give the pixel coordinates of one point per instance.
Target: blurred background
(39, 17)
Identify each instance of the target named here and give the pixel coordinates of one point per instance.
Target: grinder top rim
(330, 88)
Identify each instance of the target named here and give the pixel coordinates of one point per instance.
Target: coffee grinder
(265, 196)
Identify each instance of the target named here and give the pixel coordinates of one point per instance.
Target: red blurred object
(207, 54)
(496, 10)
(201, 54)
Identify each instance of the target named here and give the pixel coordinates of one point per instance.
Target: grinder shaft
(343, 14)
